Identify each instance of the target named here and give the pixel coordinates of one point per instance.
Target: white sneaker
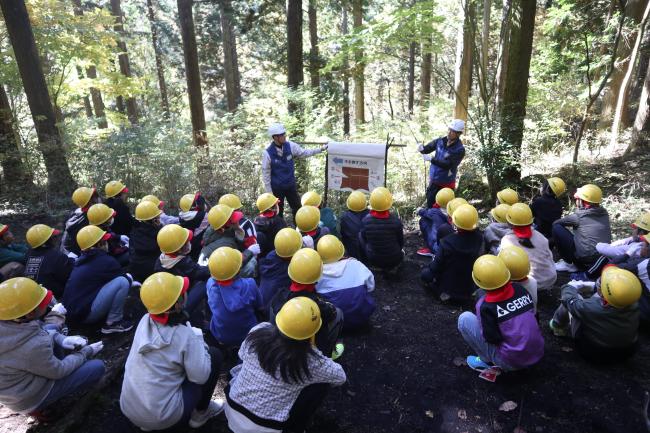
(562, 266)
(199, 418)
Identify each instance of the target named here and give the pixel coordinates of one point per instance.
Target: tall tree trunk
(192, 73)
(515, 93)
(123, 58)
(230, 61)
(641, 131)
(16, 176)
(359, 66)
(463, 76)
(425, 72)
(641, 70)
(160, 70)
(346, 74)
(411, 78)
(485, 49)
(295, 75)
(314, 56)
(60, 182)
(87, 107)
(504, 51)
(633, 9)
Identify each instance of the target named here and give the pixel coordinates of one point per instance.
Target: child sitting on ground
(547, 208)
(143, 247)
(382, 234)
(268, 223)
(497, 229)
(630, 246)
(250, 234)
(194, 216)
(45, 263)
(103, 216)
(308, 223)
(280, 389)
(12, 254)
(327, 216)
(164, 218)
(431, 219)
(233, 299)
(504, 331)
(350, 222)
(83, 197)
(273, 267)
(116, 193)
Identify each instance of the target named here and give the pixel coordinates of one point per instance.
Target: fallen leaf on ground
(429, 414)
(508, 406)
(459, 361)
(462, 414)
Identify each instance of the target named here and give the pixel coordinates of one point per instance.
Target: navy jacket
(49, 267)
(186, 267)
(92, 270)
(273, 277)
(452, 266)
(267, 228)
(444, 165)
(144, 250)
(282, 168)
(123, 221)
(430, 220)
(546, 209)
(350, 228)
(382, 240)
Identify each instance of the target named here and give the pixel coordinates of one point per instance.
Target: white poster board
(355, 166)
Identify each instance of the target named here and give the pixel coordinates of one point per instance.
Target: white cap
(276, 129)
(457, 125)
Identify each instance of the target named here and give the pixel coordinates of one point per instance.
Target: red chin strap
(268, 213)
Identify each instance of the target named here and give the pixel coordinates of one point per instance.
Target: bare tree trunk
(485, 35)
(346, 75)
(641, 131)
(504, 51)
(359, 66)
(314, 55)
(60, 182)
(87, 107)
(123, 58)
(411, 78)
(230, 61)
(425, 73)
(295, 75)
(640, 73)
(463, 76)
(160, 70)
(16, 176)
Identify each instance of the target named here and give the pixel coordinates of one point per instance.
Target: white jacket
(542, 266)
(620, 247)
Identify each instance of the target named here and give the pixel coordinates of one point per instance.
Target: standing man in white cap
(278, 169)
(445, 154)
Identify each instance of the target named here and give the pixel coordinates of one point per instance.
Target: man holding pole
(278, 168)
(445, 154)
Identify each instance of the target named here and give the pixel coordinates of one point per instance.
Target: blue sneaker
(476, 363)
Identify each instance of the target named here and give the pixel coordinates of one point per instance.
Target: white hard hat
(457, 125)
(276, 129)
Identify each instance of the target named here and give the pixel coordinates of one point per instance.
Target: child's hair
(526, 242)
(277, 352)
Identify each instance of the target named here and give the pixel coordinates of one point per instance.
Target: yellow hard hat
(224, 263)
(287, 241)
(381, 199)
(82, 195)
(219, 215)
(508, 196)
(643, 222)
(620, 287)
(266, 201)
(172, 237)
(557, 186)
(444, 196)
(590, 193)
(153, 199)
(330, 248)
(38, 234)
(19, 296)
(516, 260)
(520, 214)
(490, 272)
(99, 213)
(186, 202)
(231, 200)
(499, 213)
(306, 266)
(161, 291)
(465, 217)
(146, 210)
(299, 318)
(88, 237)
(307, 218)
(114, 187)
(455, 204)
(311, 198)
(357, 201)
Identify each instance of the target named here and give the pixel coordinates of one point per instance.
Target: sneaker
(117, 327)
(338, 351)
(563, 266)
(136, 284)
(476, 363)
(199, 418)
(557, 330)
(424, 251)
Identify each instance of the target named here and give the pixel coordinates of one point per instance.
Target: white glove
(203, 261)
(308, 242)
(73, 255)
(125, 240)
(582, 284)
(323, 148)
(420, 147)
(59, 309)
(196, 331)
(428, 157)
(75, 342)
(255, 249)
(96, 347)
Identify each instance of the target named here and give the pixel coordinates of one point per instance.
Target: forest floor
(406, 373)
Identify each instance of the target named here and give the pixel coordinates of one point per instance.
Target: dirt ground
(402, 377)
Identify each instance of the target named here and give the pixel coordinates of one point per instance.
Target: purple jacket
(430, 220)
(511, 325)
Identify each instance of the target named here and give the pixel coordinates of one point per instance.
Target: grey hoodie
(493, 234)
(161, 358)
(28, 367)
(590, 226)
